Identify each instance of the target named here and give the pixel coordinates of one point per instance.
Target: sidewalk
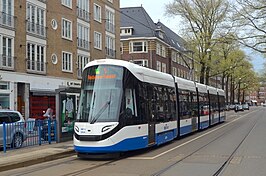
(13, 159)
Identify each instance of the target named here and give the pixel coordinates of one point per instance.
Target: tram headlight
(105, 128)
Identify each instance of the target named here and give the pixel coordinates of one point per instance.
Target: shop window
(4, 101)
(4, 85)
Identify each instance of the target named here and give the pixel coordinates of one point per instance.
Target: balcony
(44, 1)
(6, 62)
(110, 27)
(110, 52)
(35, 66)
(83, 14)
(7, 20)
(84, 44)
(36, 29)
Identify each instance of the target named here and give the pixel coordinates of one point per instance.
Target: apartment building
(44, 46)
(153, 45)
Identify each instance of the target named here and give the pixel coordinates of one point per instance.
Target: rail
(23, 134)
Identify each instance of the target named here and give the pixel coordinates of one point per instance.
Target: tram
(124, 107)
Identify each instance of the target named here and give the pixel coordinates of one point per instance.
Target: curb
(51, 157)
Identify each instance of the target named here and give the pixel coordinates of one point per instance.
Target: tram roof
(142, 73)
(212, 90)
(185, 84)
(201, 87)
(221, 92)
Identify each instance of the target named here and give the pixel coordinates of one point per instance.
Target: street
(236, 147)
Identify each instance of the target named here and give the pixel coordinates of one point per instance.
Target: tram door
(151, 134)
(151, 115)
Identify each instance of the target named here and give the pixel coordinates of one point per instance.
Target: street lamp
(239, 90)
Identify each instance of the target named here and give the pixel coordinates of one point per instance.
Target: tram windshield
(101, 93)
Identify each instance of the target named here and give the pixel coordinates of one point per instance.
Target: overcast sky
(156, 10)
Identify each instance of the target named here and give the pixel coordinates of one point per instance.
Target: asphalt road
(234, 148)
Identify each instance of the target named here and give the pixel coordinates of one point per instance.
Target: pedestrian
(1, 106)
(49, 114)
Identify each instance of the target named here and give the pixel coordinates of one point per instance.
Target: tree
(251, 17)
(203, 19)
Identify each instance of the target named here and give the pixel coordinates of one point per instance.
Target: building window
(110, 21)
(67, 3)
(67, 62)
(83, 9)
(83, 36)
(6, 59)
(144, 63)
(97, 40)
(174, 73)
(82, 62)
(66, 29)
(4, 85)
(121, 47)
(7, 18)
(163, 67)
(110, 1)
(138, 47)
(173, 56)
(5, 100)
(35, 20)
(110, 46)
(35, 57)
(97, 13)
(160, 50)
(158, 65)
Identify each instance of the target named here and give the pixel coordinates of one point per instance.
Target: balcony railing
(7, 20)
(6, 62)
(44, 1)
(110, 27)
(35, 66)
(83, 14)
(83, 43)
(110, 52)
(36, 29)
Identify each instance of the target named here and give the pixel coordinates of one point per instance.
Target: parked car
(245, 106)
(238, 107)
(15, 126)
(232, 107)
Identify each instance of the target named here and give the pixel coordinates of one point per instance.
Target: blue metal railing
(30, 133)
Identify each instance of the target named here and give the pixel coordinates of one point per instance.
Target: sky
(156, 10)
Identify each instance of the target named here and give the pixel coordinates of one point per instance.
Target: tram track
(88, 169)
(225, 163)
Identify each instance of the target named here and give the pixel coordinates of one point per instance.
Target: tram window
(194, 104)
(184, 104)
(131, 100)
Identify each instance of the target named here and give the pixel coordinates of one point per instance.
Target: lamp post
(207, 71)
(239, 90)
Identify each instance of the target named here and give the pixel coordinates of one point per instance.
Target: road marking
(181, 145)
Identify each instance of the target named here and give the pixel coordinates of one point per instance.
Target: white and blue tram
(126, 107)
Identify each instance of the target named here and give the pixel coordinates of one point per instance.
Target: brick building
(153, 45)
(45, 44)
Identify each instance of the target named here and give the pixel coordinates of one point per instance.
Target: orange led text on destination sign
(93, 77)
